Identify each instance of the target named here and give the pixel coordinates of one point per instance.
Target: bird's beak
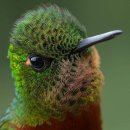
(85, 43)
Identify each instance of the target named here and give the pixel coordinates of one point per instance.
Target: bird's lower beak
(85, 43)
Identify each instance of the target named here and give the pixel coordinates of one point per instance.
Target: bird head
(55, 67)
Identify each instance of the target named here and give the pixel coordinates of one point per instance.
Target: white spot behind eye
(28, 62)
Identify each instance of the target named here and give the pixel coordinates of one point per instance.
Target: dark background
(98, 16)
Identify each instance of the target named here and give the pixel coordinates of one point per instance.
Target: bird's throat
(89, 119)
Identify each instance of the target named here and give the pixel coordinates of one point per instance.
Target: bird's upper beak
(85, 43)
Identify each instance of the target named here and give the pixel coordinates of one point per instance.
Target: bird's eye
(38, 62)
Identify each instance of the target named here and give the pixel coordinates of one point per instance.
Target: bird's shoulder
(5, 123)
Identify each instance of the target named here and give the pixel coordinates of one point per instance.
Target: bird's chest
(86, 120)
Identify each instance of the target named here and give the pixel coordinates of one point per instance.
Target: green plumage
(48, 31)
(69, 83)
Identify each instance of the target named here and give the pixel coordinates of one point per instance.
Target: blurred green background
(98, 16)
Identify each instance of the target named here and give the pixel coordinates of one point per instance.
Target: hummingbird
(57, 74)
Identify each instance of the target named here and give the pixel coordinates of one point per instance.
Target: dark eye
(39, 63)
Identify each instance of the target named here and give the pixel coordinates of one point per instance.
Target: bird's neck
(89, 119)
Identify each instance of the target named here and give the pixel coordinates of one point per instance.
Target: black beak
(85, 43)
